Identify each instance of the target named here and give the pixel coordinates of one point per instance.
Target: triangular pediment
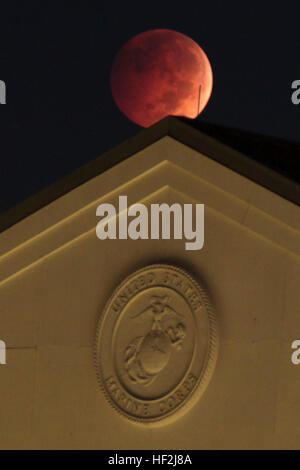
(56, 277)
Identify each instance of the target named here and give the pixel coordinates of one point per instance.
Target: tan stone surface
(17, 399)
(56, 276)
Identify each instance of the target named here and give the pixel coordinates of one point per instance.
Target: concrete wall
(56, 276)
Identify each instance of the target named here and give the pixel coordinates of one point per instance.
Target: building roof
(258, 158)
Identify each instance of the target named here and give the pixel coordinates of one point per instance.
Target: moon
(159, 73)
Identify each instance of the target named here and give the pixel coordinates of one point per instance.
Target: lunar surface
(160, 73)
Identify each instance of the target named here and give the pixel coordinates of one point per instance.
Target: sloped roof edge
(179, 130)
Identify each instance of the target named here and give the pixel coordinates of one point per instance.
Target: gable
(56, 277)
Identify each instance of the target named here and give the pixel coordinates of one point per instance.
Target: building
(56, 277)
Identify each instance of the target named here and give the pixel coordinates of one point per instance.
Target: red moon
(160, 73)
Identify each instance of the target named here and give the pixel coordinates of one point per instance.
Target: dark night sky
(56, 63)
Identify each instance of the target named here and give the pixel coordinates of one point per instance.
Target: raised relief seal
(156, 344)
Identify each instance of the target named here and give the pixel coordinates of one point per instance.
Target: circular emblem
(156, 344)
